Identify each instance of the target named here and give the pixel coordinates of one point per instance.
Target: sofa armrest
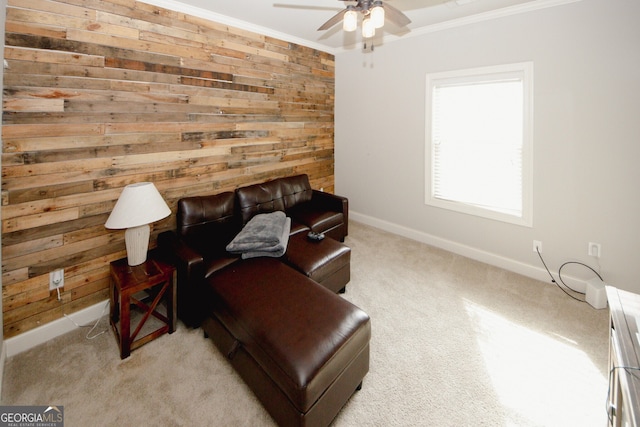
(332, 202)
(188, 262)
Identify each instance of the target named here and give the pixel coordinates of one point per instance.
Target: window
(478, 142)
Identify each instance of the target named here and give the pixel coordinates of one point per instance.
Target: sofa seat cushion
(298, 227)
(303, 347)
(318, 221)
(211, 265)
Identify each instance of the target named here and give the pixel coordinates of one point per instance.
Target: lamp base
(136, 240)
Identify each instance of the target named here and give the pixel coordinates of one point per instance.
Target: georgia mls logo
(55, 411)
(31, 416)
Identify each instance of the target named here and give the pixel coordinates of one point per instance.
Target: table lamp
(138, 205)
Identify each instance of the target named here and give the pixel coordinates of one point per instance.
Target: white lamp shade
(139, 204)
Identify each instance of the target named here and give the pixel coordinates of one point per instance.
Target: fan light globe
(368, 30)
(350, 22)
(377, 14)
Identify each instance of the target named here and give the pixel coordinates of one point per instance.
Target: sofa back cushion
(259, 198)
(296, 190)
(278, 195)
(208, 223)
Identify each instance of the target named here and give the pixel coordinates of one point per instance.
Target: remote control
(315, 236)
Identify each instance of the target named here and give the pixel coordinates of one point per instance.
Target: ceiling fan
(374, 13)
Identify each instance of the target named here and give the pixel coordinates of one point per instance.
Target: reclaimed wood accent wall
(99, 94)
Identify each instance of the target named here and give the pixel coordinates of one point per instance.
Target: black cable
(553, 280)
(579, 263)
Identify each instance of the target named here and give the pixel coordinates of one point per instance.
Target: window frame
(523, 70)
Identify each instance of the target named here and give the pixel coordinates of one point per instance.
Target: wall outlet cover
(56, 279)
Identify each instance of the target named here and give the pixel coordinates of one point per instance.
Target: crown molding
(494, 14)
(237, 23)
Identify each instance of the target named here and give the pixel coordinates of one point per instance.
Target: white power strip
(595, 293)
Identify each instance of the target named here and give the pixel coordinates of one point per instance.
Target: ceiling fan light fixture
(368, 29)
(350, 21)
(377, 14)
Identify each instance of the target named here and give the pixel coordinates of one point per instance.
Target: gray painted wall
(586, 59)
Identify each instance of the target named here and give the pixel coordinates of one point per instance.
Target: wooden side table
(153, 276)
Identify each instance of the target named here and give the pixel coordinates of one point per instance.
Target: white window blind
(479, 143)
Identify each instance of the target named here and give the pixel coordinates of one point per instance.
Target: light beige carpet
(455, 343)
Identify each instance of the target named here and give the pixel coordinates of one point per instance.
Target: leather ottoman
(302, 349)
(327, 262)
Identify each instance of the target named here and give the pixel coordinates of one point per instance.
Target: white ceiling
(298, 20)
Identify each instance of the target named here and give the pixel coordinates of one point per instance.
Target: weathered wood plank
(26, 284)
(60, 8)
(66, 250)
(19, 276)
(12, 145)
(167, 69)
(85, 118)
(32, 105)
(43, 130)
(68, 45)
(100, 96)
(48, 230)
(32, 221)
(76, 257)
(175, 126)
(20, 54)
(50, 205)
(31, 246)
(54, 19)
(251, 50)
(35, 30)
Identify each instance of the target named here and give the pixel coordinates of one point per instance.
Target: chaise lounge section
(301, 349)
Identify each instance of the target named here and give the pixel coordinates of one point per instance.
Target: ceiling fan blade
(333, 21)
(395, 16)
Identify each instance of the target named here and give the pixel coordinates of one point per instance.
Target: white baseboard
(534, 272)
(44, 333)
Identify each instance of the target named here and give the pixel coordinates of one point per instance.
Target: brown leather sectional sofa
(301, 348)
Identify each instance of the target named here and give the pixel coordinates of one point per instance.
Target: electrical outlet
(56, 279)
(594, 249)
(537, 246)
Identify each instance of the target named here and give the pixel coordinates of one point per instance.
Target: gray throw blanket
(263, 235)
